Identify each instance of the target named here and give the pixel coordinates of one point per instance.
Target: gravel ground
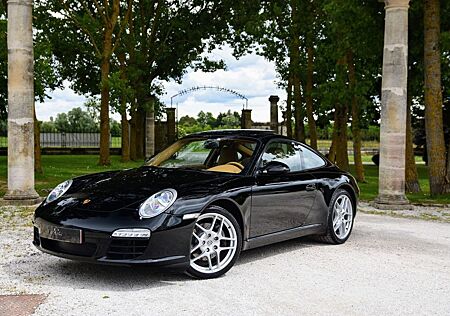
(436, 212)
(388, 266)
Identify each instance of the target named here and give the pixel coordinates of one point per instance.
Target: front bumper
(168, 245)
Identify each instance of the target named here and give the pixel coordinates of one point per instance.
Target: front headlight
(157, 203)
(59, 191)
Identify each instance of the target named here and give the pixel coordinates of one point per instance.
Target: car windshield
(228, 155)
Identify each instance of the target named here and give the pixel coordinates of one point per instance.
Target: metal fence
(73, 139)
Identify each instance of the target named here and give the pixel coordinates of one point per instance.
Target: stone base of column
(21, 198)
(391, 202)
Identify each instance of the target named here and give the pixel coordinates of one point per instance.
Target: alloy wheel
(342, 216)
(214, 243)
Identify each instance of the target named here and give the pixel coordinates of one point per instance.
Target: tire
(215, 245)
(341, 234)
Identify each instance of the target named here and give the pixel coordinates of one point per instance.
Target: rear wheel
(215, 245)
(340, 219)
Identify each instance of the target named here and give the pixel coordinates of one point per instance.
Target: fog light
(132, 233)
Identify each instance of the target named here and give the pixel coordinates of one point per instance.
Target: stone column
(246, 119)
(283, 127)
(171, 127)
(274, 112)
(20, 104)
(391, 188)
(150, 130)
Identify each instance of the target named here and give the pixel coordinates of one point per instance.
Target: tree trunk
(289, 108)
(150, 137)
(140, 133)
(356, 130)
(294, 65)
(299, 124)
(433, 98)
(341, 136)
(125, 138)
(133, 152)
(104, 104)
(332, 150)
(125, 143)
(309, 98)
(37, 145)
(341, 117)
(411, 175)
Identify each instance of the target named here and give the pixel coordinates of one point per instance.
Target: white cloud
(61, 100)
(251, 76)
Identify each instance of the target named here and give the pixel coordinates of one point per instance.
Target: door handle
(310, 187)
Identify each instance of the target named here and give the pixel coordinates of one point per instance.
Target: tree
(433, 99)
(100, 26)
(162, 40)
(348, 65)
(75, 121)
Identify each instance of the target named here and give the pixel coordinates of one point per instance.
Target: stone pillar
(149, 133)
(391, 188)
(20, 104)
(171, 127)
(283, 127)
(274, 112)
(246, 119)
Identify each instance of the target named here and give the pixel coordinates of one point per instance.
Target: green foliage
(206, 121)
(77, 120)
(333, 28)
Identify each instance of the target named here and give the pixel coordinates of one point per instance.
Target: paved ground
(388, 266)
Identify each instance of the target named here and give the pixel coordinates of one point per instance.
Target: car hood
(113, 191)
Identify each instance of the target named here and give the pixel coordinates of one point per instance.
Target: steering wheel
(236, 164)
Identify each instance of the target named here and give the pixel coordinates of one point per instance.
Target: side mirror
(274, 168)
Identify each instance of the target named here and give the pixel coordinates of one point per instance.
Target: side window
(310, 159)
(285, 152)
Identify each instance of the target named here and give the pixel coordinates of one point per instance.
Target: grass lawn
(368, 158)
(59, 168)
(326, 143)
(369, 190)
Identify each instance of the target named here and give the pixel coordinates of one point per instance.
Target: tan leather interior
(225, 168)
(227, 154)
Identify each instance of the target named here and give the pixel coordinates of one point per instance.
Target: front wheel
(340, 219)
(215, 245)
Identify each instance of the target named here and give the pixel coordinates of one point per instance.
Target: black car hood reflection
(129, 188)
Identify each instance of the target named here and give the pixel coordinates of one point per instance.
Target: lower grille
(83, 250)
(123, 249)
(36, 236)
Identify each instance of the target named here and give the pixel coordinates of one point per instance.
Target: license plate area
(70, 235)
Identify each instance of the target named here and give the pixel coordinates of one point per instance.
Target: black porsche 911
(196, 205)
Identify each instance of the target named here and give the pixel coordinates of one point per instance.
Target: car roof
(253, 133)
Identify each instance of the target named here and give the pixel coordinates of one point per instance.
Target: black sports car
(196, 205)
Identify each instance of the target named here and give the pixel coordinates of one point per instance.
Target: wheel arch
(347, 187)
(232, 208)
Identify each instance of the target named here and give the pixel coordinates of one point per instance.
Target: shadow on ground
(43, 270)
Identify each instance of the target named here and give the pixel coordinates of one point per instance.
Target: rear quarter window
(310, 159)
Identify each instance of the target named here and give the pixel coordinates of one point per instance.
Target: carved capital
(389, 4)
(274, 99)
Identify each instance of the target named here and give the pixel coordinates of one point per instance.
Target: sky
(251, 76)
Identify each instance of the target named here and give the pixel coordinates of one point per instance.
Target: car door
(281, 201)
